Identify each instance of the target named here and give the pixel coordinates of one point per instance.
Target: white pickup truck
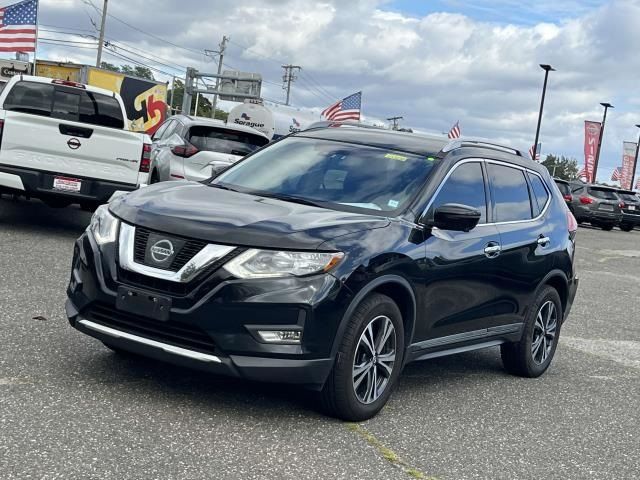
(65, 142)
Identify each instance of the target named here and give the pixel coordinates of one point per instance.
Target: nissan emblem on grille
(161, 251)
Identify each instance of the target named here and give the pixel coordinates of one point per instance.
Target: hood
(207, 213)
(205, 157)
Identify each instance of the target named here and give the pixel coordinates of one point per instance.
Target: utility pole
(395, 122)
(223, 47)
(604, 119)
(288, 77)
(101, 39)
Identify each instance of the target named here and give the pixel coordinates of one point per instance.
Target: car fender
(362, 293)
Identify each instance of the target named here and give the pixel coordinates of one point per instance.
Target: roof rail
(459, 143)
(339, 123)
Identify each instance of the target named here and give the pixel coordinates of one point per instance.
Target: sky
(433, 62)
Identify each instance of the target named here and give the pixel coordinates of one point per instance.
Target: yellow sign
(58, 71)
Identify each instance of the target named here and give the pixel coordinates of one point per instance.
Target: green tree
(135, 71)
(562, 167)
(204, 104)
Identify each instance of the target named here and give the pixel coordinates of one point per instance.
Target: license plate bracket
(67, 184)
(143, 303)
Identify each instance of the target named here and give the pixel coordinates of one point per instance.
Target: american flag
(583, 174)
(538, 150)
(346, 109)
(18, 27)
(616, 175)
(455, 131)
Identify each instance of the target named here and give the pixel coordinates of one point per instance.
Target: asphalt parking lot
(69, 408)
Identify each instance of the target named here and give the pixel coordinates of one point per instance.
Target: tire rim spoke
(374, 359)
(544, 332)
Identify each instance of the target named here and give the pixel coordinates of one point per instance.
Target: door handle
(492, 250)
(543, 241)
(75, 131)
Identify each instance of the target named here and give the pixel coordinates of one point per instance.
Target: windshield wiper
(222, 187)
(289, 198)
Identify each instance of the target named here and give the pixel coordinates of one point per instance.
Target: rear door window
(539, 192)
(464, 186)
(222, 140)
(510, 193)
(71, 104)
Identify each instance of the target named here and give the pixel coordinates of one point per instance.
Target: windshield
(629, 197)
(603, 193)
(213, 139)
(332, 173)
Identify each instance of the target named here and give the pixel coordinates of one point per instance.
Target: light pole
(635, 162)
(547, 69)
(606, 106)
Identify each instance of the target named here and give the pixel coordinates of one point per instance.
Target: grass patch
(388, 454)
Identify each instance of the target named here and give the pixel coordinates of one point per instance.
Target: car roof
(419, 144)
(214, 122)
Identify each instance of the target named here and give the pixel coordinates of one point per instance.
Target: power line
(67, 45)
(136, 62)
(142, 31)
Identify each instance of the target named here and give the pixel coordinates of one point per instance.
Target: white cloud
(434, 70)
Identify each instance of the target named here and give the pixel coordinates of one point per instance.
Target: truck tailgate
(72, 148)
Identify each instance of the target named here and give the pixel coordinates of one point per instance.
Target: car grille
(174, 333)
(190, 249)
(174, 288)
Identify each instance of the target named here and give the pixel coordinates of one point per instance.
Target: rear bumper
(631, 219)
(599, 216)
(572, 290)
(39, 184)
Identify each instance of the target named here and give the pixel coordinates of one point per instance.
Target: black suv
(630, 205)
(332, 258)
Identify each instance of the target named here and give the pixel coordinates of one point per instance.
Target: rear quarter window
(71, 104)
(539, 192)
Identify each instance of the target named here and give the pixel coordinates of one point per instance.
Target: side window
(171, 129)
(465, 186)
(539, 191)
(510, 193)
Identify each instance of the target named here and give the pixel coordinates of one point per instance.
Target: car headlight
(103, 226)
(269, 264)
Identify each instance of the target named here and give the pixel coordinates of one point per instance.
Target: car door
(460, 293)
(520, 203)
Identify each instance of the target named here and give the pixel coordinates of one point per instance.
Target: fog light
(280, 336)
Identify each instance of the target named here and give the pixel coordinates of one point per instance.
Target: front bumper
(214, 328)
(39, 184)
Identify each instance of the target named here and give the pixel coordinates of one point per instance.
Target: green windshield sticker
(430, 159)
(395, 156)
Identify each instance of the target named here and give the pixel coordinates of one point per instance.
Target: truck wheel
(532, 355)
(154, 177)
(368, 362)
(625, 227)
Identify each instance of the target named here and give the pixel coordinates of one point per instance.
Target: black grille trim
(173, 333)
(190, 249)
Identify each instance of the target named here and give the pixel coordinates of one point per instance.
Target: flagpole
(35, 50)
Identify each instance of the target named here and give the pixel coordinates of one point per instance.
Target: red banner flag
(591, 137)
(628, 159)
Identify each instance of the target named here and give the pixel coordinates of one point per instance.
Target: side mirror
(456, 217)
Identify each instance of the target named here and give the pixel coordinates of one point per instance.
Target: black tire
(154, 177)
(607, 227)
(338, 396)
(518, 358)
(625, 227)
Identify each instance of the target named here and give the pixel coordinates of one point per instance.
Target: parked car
(596, 204)
(66, 142)
(565, 190)
(630, 210)
(332, 258)
(191, 148)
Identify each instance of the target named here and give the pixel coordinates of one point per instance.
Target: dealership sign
(628, 159)
(591, 137)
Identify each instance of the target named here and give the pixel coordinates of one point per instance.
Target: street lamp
(547, 69)
(606, 106)
(635, 162)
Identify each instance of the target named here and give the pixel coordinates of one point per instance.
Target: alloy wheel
(544, 332)
(374, 359)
